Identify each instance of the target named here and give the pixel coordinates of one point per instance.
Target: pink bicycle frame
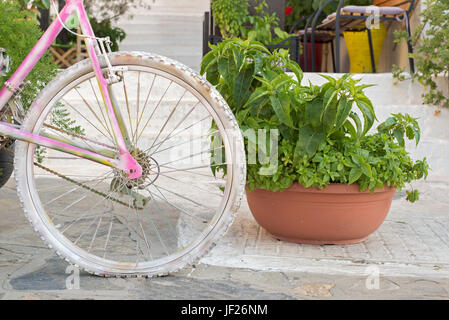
(125, 160)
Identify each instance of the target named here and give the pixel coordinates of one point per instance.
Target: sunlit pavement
(408, 257)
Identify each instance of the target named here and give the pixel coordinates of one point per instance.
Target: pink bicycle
(146, 175)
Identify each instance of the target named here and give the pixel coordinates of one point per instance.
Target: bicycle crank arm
(125, 161)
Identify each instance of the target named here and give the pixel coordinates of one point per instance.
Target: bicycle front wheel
(180, 131)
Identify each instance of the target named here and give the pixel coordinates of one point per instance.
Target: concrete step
(175, 7)
(174, 36)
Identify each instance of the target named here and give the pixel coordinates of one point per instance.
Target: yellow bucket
(358, 48)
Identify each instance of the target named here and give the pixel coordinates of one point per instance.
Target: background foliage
(234, 21)
(431, 45)
(19, 33)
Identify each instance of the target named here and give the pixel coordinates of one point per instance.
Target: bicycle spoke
(175, 206)
(162, 213)
(145, 105)
(177, 133)
(107, 120)
(93, 112)
(88, 121)
(95, 206)
(134, 138)
(168, 119)
(183, 197)
(95, 234)
(107, 237)
(191, 168)
(154, 110)
(192, 155)
(182, 143)
(171, 132)
(191, 185)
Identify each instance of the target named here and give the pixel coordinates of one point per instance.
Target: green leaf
(329, 117)
(417, 132)
(46, 3)
(256, 97)
(281, 108)
(412, 196)
(294, 67)
(330, 98)
(366, 107)
(209, 59)
(366, 169)
(313, 112)
(228, 70)
(309, 139)
(332, 80)
(354, 116)
(354, 175)
(351, 130)
(212, 74)
(409, 133)
(344, 108)
(242, 84)
(73, 21)
(399, 135)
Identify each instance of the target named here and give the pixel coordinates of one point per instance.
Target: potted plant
(326, 179)
(431, 53)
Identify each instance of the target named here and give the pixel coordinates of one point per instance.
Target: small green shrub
(431, 46)
(234, 21)
(230, 15)
(19, 33)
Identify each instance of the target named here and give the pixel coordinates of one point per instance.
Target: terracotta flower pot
(337, 214)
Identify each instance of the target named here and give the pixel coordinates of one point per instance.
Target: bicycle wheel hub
(150, 172)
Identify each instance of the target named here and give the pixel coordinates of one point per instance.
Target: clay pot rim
(333, 188)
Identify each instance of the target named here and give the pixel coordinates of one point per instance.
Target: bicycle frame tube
(125, 162)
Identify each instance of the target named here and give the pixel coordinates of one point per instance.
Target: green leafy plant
(28, 4)
(262, 26)
(399, 124)
(323, 129)
(230, 15)
(105, 28)
(431, 45)
(234, 21)
(295, 10)
(19, 33)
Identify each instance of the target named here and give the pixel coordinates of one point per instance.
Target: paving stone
(407, 243)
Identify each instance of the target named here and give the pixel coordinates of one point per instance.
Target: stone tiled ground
(410, 251)
(414, 240)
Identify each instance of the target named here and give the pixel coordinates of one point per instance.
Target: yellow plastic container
(358, 48)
